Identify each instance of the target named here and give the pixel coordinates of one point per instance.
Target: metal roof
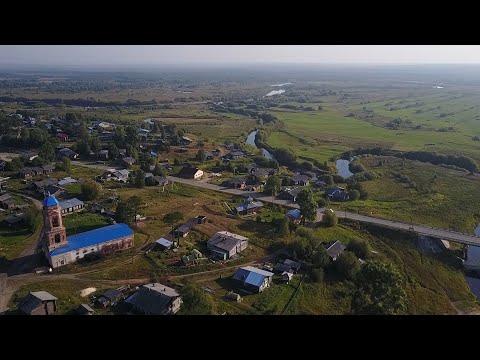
(94, 237)
(50, 201)
(251, 275)
(66, 204)
(294, 213)
(153, 298)
(164, 242)
(5, 197)
(225, 240)
(249, 205)
(336, 249)
(43, 295)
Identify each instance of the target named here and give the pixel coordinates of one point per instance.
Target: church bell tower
(55, 233)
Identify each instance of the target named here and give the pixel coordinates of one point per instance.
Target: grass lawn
(14, 241)
(77, 223)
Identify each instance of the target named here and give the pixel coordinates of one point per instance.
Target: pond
(342, 168)
(251, 141)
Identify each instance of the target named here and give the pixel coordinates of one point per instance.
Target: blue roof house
(253, 279)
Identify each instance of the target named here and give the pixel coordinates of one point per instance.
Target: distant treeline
(265, 117)
(463, 162)
(76, 102)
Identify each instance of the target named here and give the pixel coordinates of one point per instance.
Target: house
(294, 265)
(29, 156)
(116, 175)
(71, 205)
(48, 168)
(106, 136)
(223, 244)
(160, 181)
(39, 303)
(256, 187)
(293, 194)
(67, 180)
(155, 299)
(128, 160)
(189, 260)
(321, 183)
(248, 207)
(62, 136)
(37, 170)
(209, 156)
(251, 167)
(260, 174)
(295, 216)
(185, 140)
(253, 279)
(103, 154)
(67, 152)
(163, 244)
(53, 190)
(25, 173)
(153, 154)
(234, 154)
(302, 180)
(237, 183)
(7, 201)
(334, 249)
(41, 186)
(122, 152)
(84, 309)
(109, 297)
(190, 172)
(14, 220)
(184, 229)
(337, 194)
(280, 268)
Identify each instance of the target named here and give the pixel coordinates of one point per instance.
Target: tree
(31, 215)
(155, 127)
(47, 152)
(328, 179)
(379, 290)
(163, 132)
(159, 171)
(66, 165)
(361, 248)
(273, 185)
(132, 151)
(354, 195)
(320, 108)
(132, 136)
(347, 265)
(83, 148)
(308, 205)
(119, 137)
(196, 301)
(90, 190)
(285, 156)
(83, 132)
(201, 155)
(320, 258)
(139, 178)
(317, 274)
(95, 145)
(135, 203)
(14, 165)
(173, 217)
(180, 132)
(25, 136)
(124, 213)
(285, 227)
(147, 164)
(113, 152)
(330, 218)
(176, 162)
(322, 202)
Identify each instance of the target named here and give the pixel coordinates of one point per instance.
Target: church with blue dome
(61, 249)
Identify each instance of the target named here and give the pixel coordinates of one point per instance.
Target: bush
(90, 190)
(347, 265)
(330, 219)
(322, 202)
(360, 248)
(354, 195)
(317, 275)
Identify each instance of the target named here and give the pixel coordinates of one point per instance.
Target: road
(420, 229)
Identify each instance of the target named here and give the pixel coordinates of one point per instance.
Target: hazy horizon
(151, 56)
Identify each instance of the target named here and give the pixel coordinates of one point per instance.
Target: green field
(443, 198)
(80, 222)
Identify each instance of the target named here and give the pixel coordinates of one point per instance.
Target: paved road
(420, 229)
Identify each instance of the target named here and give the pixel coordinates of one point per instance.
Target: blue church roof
(50, 200)
(93, 237)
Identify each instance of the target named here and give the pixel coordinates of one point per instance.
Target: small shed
(163, 244)
(84, 309)
(39, 303)
(109, 297)
(287, 276)
(201, 219)
(233, 296)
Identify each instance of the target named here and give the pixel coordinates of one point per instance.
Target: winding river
(343, 169)
(251, 141)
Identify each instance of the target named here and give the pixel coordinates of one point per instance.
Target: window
(57, 238)
(85, 250)
(55, 221)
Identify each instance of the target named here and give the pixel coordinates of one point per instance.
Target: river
(343, 169)
(251, 141)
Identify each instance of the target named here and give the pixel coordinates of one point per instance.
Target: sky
(152, 55)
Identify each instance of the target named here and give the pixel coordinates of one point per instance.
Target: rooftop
(251, 275)
(294, 213)
(50, 201)
(94, 237)
(335, 249)
(43, 295)
(153, 298)
(70, 203)
(225, 240)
